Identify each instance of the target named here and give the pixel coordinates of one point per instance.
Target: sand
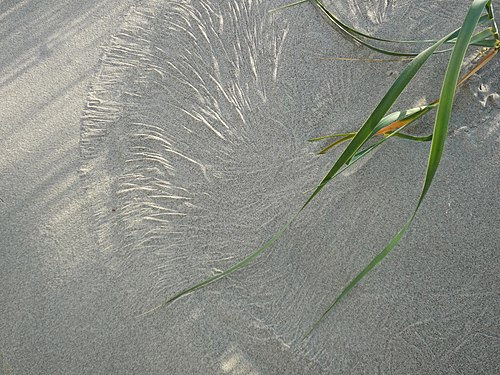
(149, 144)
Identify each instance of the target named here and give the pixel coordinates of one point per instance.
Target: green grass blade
(243, 263)
(360, 33)
(350, 155)
(439, 136)
(426, 138)
(394, 241)
(410, 116)
(370, 126)
(332, 136)
(355, 34)
(483, 35)
(336, 143)
(448, 92)
(352, 30)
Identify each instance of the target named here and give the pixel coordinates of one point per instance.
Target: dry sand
(132, 170)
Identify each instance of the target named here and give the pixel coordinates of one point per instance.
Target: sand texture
(151, 144)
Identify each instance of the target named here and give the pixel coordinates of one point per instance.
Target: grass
(381, 125)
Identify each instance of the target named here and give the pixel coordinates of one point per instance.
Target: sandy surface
(130, 171)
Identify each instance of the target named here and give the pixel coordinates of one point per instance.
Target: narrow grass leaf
(332, 136)
(410, 118)
(352, 30)
(336, 143)
(415, 138)
(355, 34)
(370, 126)
(354, 152)
(439, 135)
(361, 137)
(286, 6)
(243, 263)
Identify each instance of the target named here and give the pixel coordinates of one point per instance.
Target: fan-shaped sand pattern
(195, 148)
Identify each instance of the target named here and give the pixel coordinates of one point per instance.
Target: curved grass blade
(394, 120)
(368, 36)
(337, 142)
(332, 136)
(366, 131)
(373, 123)
(286, 6)
(250, 258)
(350, 157)
(484, 38)
(409, 137)
(354, 34)
(352, 30)
(243, 263)
(439, 136)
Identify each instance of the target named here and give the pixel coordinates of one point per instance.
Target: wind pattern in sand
(194, 141)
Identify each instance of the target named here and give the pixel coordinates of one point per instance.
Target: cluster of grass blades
(380, 126)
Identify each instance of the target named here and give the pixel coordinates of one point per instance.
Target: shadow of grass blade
(439, 136)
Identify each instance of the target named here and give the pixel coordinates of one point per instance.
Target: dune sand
(148, 145)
